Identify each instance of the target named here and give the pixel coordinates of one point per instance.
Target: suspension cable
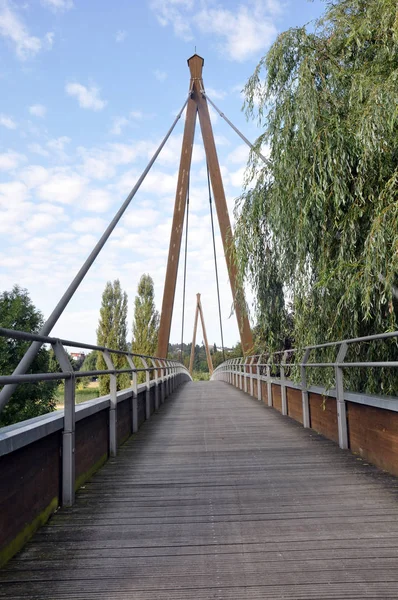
(185, 274)
(215, 260)
(27, 359)
(240, 134)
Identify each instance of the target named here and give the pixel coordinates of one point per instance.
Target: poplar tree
(112, 333)
(317, 227)
(146, 321)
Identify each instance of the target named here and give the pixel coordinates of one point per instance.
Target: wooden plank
(219, 497)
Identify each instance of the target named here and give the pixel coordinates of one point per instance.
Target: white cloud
(40, 221)
(15, 31)
(37, 149)
(58, 144)
(88, 97)
(49, 40)
(238, 33)
(34, 175)
(119, 123)
(244, 32)
(160, 75)
(121, 36)
(7, 122)
(239, 155)
(62, 186)
(11, 160)
(97, 200)
(170, 12)
(215, 94)
(58, 5)
(38, 110)
(88, 224)
(12, 194)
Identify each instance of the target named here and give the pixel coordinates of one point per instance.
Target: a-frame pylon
(197, 105)
(199, 311)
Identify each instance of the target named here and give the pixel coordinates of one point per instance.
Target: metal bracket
(340, 404)
(113, 404)
(68, 435)
(304, 390)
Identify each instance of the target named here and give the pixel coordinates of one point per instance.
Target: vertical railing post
(147, 390)
(269, 384)
(245, 363)
(113, 404)
(341, 406)
(283, 383)
(134, 399)
(304, 389)
(162, 385)
(251, 375)
(68, 434)
(157, 391)
(259, 390)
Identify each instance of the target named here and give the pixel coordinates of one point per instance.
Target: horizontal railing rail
(164, 373)
(263, 366)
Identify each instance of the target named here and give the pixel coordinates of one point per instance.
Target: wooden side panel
(255, 388)
(152, 399)
(29, 491)
(123, 421)
(294, 404)
(92, 445)
(323, 416)
(276, 397)
(373, 433)
(141, 408)
(264, 392)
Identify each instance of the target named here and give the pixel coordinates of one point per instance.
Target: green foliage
(32, 399)
(317, 228)
(112, 333)
(145, 323)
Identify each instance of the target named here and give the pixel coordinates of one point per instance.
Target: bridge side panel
(29, 491)
(373, 434)
(91, 445)
(277, 397)
(123, 421)
(323, 416)
(294, 404)
(141, 407)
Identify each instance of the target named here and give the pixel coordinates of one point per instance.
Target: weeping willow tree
(317, 227)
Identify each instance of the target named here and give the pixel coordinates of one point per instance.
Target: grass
(81, 395)
(200, 376)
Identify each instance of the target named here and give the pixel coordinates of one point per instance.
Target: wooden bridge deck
(219, 497)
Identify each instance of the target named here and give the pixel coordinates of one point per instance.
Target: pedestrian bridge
(217, 495)
(255, 485)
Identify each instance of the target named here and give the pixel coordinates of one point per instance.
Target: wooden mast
(177, 226)
(199, 311)
(198, 103)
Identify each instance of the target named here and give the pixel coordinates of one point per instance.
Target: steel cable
(215, 260)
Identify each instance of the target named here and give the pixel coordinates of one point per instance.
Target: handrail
(166, 375)
(245, 368)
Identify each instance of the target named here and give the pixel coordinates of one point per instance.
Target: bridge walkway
(219, 497)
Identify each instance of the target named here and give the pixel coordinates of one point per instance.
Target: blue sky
(89, 88)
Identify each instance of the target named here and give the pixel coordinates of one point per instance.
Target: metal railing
(163, 373)
(259, 366)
